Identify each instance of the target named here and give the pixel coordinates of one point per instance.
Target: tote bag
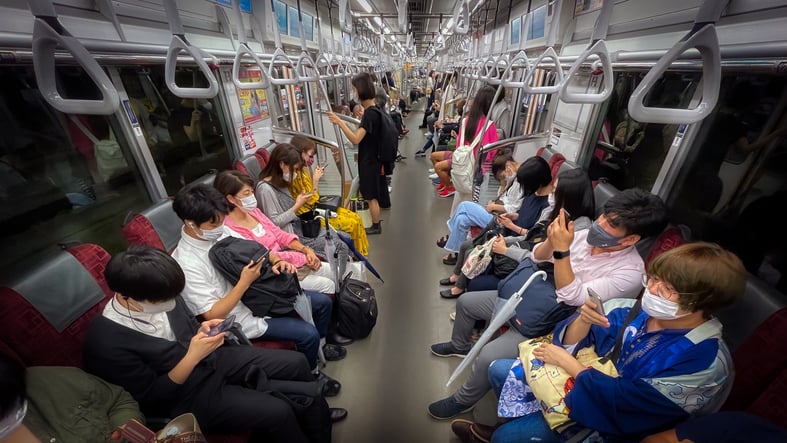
(478, 259)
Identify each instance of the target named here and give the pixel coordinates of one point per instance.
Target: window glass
(62, 178)
(308, 27)
(281, 15)
(295, 26)
(185, 136)
(538, 24)
(516, 30)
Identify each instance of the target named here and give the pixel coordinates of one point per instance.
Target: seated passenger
(673, 363)
(603, 257)
(524, 194)
(148, 342)
(573, 192)
(722, 427)
(39, 404)
(306, 181)
(210, 295)
(276, 202)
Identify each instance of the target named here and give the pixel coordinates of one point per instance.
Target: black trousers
(240, 397)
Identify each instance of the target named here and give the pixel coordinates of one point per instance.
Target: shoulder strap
(615, 353)
(480, 135)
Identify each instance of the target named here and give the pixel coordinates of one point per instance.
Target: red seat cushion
(139, 231)
(760, 366)
(239, 166)
(274, 344)
(555, 161)
(33, 338)
(263, 155)
(671, 237)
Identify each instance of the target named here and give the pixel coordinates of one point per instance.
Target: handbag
(361, 207)
(181, 429)
(550, 383)
(503, 265)
(310, 225)
(478, 259)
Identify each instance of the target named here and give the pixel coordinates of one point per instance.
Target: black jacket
(271, 294)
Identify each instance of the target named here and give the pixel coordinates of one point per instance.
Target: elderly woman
(673, 363)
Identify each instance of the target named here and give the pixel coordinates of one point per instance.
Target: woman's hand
(312, 260)
(333, 118)
(302, 198)
(499, 245)
(589, 315)
(504, 221)
(553, 354)
(561, 233)
(282, 266)
(319, 171)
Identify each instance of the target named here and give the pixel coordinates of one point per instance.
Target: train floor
(389, 378)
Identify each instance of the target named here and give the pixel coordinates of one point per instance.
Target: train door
(64, 177)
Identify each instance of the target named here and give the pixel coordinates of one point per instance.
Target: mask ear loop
(134, 321)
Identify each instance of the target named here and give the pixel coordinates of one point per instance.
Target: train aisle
(389, 378)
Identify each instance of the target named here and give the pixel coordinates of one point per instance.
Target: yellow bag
(550, 383)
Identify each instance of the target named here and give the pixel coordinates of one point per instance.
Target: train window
(733, 181)
(63, 178)
(185, 136)
(628, 153)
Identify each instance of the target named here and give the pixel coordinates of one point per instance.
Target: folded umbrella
(303, 306)
(351, 245)
(502, 315)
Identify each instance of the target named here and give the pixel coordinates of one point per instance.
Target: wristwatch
(557, 255)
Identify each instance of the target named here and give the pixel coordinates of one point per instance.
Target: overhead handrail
(599, 48)
(279, 54)
(462, 15)
(244, 49)
(703, 37)
(179, 42)
(549, 53)
(48, 33)
(511, 140)
(519, 60)
(323, 60)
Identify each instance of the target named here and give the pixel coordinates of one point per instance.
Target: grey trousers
(472, 306)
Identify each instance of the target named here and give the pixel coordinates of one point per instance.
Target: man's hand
(250, 273)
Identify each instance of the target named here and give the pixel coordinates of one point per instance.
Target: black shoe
(446, 282)
(338, 414)
(422, 127)
(450, 260)
(334, 352)
(331, 386)
(375, 229)
(337, 339)
(446, 293)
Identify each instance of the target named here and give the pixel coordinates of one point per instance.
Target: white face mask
(9, 424)
(286, 176)
(249, 203)
(209, 234)
(150, 308)
(660, 308)
(551, 199)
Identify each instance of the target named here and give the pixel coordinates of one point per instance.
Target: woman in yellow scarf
(306, 181)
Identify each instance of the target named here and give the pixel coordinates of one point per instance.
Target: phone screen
(568, 217)
(222, 327)
(260, 255)
(594, 297)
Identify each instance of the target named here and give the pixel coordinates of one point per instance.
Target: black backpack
(357, 311)
(388, 137)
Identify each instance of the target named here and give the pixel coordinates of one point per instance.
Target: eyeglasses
(663, 289)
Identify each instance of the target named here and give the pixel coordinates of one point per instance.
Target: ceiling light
(366, 6)
(379, 21)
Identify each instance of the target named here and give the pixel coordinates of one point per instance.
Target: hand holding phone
(596, 299)
(566, 217)
(222, 327)
(260, 256)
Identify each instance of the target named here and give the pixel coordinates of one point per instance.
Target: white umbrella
(303, 306)
(502, 315)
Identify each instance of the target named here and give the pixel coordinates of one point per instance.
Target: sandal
(443, 240)
(450, 259)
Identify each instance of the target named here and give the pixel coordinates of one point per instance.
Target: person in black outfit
(370, 170)
(148, 342)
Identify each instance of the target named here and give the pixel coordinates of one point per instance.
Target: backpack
(463, 159)
(388, 138)
(357, 312)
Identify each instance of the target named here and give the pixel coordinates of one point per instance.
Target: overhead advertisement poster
(253, 102)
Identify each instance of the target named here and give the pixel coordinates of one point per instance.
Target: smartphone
(568, 217)
(594, 297)
(261, 255)
(222, 327)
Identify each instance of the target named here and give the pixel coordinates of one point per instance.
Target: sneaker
(446, 349)
(330, 386)
(433, 176)
(440, 187)
(436, 181)
(452, 316)
(334, 352)
(420, 154)
(447, 192)
(390, 189)
(448, 408)
(428, 134)
(430, 170)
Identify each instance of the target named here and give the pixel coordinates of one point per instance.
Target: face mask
(157, 308)
(286, 177)
(208, 106)
(310, 161)
(660, 308)
(551, 199)
(9, 424)
(600, 238)
(249, 203)
(210, 234)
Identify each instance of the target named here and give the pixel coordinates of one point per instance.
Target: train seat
(760, 300)
(263, 155)
(565, 165)
(602, 192)
(45, 313)
(761, 369)
(206, 179)
(249, 165)
(157, 226)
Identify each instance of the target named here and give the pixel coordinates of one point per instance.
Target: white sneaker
(430, 170)
(389, 189)
(428, 134)
(433, 176)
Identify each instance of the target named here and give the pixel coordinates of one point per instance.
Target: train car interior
(110, 109)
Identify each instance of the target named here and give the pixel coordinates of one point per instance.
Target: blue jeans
(531, 427)
(305, 335)
(467, 215)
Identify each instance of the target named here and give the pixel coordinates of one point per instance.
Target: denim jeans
(467, 215)
(531, 427)
(305, 335)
